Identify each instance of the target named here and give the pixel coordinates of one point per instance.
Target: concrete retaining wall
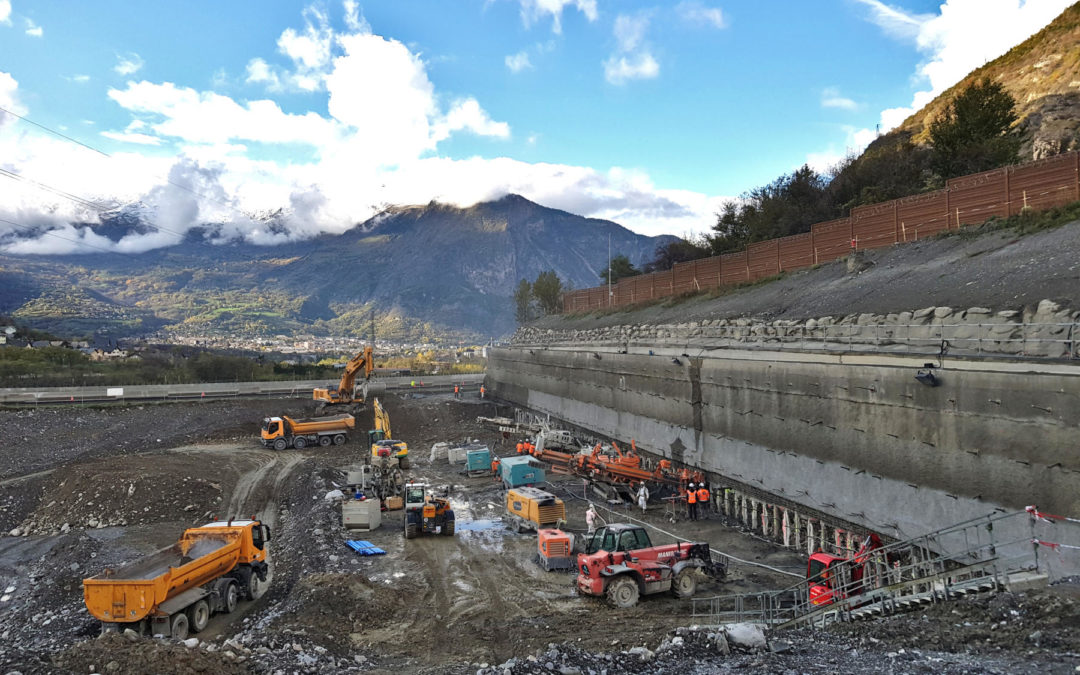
(864, 442)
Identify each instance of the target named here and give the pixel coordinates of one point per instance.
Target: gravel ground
(997, 270)
(474, 602)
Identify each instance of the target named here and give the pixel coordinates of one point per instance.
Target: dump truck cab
(425, 513)
(621, 564)
(272, 428)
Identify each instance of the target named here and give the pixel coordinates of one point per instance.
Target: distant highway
(180, 392)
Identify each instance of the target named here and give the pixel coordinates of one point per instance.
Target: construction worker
(691, 501)
(495, 468)
(590, 518)
(703, 500)
(520, 447)
(482, 391)
(642, 496)
(456, 391)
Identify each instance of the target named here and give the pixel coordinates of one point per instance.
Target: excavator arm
(364, 361)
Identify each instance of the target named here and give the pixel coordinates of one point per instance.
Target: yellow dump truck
(284, 432)
(174, 591)
(529, 508)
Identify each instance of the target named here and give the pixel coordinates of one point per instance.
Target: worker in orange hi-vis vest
(703, 500)
(691, 501)
(495, 468)
(520, 447)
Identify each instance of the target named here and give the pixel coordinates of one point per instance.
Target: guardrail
(215, 390)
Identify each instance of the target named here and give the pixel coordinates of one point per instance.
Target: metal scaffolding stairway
(973, 556)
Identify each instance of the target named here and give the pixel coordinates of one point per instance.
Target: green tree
(621, 267)
(548, 290)
(976, 132)
(891, 167)
(523, 299)
(681, 250)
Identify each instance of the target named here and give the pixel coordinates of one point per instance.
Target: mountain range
(425, 271)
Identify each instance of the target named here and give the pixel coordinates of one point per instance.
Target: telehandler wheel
(299, 442)
(325, 441)
(622, 592)
(280, 444)
(198, 616)
(339, 439)
(410, 530)
(685, 583)
(230, 597)
(404, 462)
(448, 528)
(178, 626)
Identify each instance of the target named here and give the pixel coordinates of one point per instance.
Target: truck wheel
(256, 588)
(299, 442)
(448, 528)
(280, 444)
(230, 597)
(325, 441)
(685, 583)
(178, 627)
(410, 530)
(198, 616)
(404, 462)
(622, 592)
(339, 439)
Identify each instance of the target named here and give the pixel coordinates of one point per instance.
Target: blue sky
(647, 113)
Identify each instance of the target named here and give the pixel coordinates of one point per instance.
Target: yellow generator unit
(530, 508)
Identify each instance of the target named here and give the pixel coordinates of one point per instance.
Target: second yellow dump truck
(284, 432)
(174, 591)
(529, 508)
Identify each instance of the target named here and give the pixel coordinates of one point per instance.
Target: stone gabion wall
(1047, 331)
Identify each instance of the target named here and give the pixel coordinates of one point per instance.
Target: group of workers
(526, 447)
(697, 500)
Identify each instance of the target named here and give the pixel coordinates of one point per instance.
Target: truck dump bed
(315, 425)
(134, 591)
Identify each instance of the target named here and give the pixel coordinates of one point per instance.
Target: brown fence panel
(1042, 184)
(922, 215)
(708, 272)
(733, 269)
(763, 259)
(976, 198)
(683, 279)
(623, 290)
(874, 226)
(796, 252)
(831, 240)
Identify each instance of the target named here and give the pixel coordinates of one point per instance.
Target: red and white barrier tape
(1047, 517)
(1052, 545)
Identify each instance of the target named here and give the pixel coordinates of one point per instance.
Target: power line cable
(53, 131)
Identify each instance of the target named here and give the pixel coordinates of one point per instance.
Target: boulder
(748, 636)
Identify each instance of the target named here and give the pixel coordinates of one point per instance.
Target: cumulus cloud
(33, 30)
(534, 10)
(128, 64)
(518, 62)
(698, 13)
(5, 12)
(9, 99)
(375, 144)
(831, 98)
(632, 60)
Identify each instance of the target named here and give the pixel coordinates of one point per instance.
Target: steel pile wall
(968, 200)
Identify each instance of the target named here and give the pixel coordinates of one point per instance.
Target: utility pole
(609, 269)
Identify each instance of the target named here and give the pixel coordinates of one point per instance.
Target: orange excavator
(346, 394)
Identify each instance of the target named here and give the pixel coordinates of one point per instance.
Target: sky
(651, 114)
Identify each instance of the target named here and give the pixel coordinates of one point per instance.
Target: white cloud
(831, 98)
(353, 20)
(33, 30)
(9, 99)
(963, 36)
(376, 144)
(518, 62)
(5, 12)
(80, 79)
(128, 64)
(696, 12)
(534, 10)
(259, 71)
(633, 59)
